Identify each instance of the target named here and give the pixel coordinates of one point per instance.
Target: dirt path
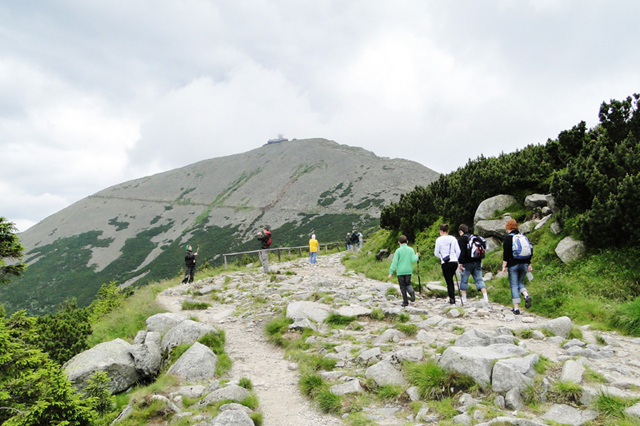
(275, 379)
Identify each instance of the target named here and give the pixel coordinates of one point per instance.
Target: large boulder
(570, 249)
(185, 332)
(492, 228)
(536, 200)
(197, 364)
(113, 358)
(477, 362)
(164, 322)
(147, 358)
(490, 206)
(233, 418)
(314, 311)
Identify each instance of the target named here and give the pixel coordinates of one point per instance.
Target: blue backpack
(521, 247)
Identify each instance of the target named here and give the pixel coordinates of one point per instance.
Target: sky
(99, 92)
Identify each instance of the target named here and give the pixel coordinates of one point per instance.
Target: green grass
(610, 406)
(339, 320)
(188, 305)
(389, 392)
(130, 317)
(565, 392)
(328, 402)
(408, 329)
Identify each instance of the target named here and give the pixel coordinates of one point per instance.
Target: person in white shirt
(448, 251)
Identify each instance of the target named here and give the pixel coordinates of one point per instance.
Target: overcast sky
(95, 93)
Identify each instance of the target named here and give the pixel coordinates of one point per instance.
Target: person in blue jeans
(517, 268)
(469, 266)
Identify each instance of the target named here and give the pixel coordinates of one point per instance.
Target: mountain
(136, 232)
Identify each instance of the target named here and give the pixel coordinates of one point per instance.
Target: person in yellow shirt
(313, 249)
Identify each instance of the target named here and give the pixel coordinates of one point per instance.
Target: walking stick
(455, 275)
(419, 283)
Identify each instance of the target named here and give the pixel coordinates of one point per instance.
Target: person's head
(463, 228)
(511, 225)
(313, 237)
(444, 228)
(403, 239)
(188, 247)
(265, 229)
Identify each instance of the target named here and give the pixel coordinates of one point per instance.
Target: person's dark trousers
(188, 274)
(404, 281)
(448, 271)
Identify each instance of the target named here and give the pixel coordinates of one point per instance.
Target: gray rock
(235, 406)
(187, 331)
(301, 324)
(492, 228)
(354, 311)
(167, 402)
(556, 228)
(113, 358)
(569, 249)
(559, 326)
(499, 402)
(513, 400)
(314, 311)
(147, 359)
(462, 419)
(390, 335)
(477, 362)
(425, 337)
(572, 371)
(513, 373)
(231, 392)
(164, 322)
(352, 386)
(414, 393)
(383, 373)
(368, 356)
(413, 354)
(633, 411)
(490, 206)
(233, 418)
(565, 414)
(197, 364)
(536, 200)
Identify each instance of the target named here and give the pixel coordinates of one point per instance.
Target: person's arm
(394, 264)
(436, 250)
(507, 251)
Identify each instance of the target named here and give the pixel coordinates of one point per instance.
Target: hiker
(360, 240)
(517, 263)
(354, 240)
(265, 242)
(403, 260)
(348, 241)
(189, 264)
(313, 249)
(470, 262)
(448, 250)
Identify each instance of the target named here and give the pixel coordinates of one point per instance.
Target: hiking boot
(404, 306)
(452, 301)
(516, 311)
(413, 297)
(527, 302)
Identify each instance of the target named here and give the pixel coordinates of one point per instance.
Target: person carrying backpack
(354, 239)
(516, 259)
(472, 249)
(265, 242)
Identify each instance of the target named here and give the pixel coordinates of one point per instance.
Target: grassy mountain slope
(136, 232)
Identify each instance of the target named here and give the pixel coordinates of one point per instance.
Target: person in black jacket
(517, 268)
(469, 266)
(189, 264)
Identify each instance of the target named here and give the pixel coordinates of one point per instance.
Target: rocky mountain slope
(136, 231)
(519, 364)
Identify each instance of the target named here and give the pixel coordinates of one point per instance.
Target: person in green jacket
(403, 260)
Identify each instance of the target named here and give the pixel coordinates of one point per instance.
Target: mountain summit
(136, 231)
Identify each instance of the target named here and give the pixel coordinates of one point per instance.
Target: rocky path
(247, 300)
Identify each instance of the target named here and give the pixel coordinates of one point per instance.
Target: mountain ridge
(135, 232)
